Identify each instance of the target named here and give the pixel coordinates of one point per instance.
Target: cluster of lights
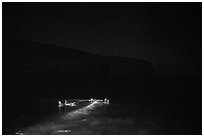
(105, 101)
(72, 104)
(60, 104)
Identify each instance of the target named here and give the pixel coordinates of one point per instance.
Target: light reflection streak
(48, 126)
(82, 111)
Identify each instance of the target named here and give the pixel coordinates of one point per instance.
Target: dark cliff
(39, 70)
(34, 58)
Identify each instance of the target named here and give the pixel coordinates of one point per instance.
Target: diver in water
(65, 102)
(107, 101)
(60, 104)
(91, 100)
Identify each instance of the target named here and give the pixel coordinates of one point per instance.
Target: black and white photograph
(101, 68)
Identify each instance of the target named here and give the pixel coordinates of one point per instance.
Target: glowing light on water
(19, 133)
(60, 128)
(70, 104)
(63, 131)
(82, 111)
(91, 105)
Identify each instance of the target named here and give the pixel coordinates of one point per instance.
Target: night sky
(169, 35)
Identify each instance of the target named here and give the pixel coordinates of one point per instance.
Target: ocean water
(112, 119)
(21, 114)
(166, 106)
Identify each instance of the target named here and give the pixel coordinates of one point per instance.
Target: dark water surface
(26, 113)
(114, 119)
(165, 106)
(23, 115)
